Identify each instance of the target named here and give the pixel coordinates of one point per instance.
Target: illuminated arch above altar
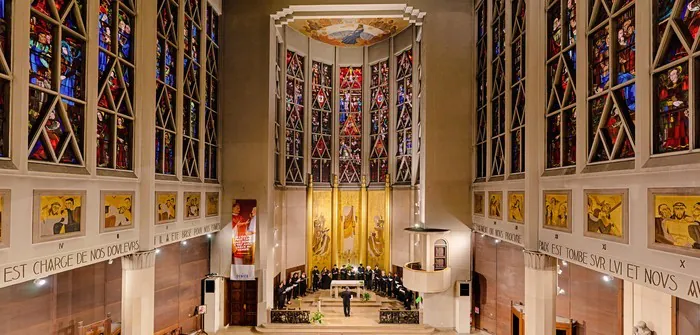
(349, 25)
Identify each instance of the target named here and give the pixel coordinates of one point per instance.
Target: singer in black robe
(368, 278)
(315, 278)
(304, 284)
(279, 293)
(334, 273)
(325, 279)
(289, 288)
(388, 289)
(397, 285)
(343, 273)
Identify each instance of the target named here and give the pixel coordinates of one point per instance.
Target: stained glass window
(166, 68)
(498, 97)
(481, 100)
(517, 123)
(404, 116)
(115, 112)
(211, 102)
(321, 121)
(379, 123)
(350, 125)
(561, 81)
(294, 124)
(192, 100)
(5, 71)
(419, 106)
(675, 36)
(278, 101)
(56, 81)
(611, 59)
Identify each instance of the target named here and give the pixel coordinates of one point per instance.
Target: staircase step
(274, 328)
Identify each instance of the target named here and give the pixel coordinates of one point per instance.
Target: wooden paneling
(179, 273)
(243, 302)
(85, 294)
(687, 317)
(594, 303)
(485, 256)
(301, 268)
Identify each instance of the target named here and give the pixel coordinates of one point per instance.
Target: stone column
(540, 293)
(138, 293)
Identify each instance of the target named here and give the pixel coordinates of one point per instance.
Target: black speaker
(209, 286)
(463, 289)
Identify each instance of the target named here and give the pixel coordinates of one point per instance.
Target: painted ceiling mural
(350, 32)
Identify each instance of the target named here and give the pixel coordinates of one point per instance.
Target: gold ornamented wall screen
(348, 226)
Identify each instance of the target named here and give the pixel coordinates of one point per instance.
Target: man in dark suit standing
(347, 296)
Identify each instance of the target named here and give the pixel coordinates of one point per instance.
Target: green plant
(365, 296)
(317, 318)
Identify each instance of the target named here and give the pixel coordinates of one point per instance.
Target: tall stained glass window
(278, 101)
(675, 71)
(5, 70)
(211, 99)
(611, 88)
(321, 121)
(517, 122)
(166, 91)
(561, 80)
(404, 115)
(481, 100)
(379, 123)
(350, 121)
(115, 111)
(294, 124)
(56, 81)
(192, 100)
(498, 96)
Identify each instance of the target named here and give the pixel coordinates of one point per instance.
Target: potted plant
(365, 296)
(317, 318)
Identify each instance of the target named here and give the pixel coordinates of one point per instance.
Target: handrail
(407, 266)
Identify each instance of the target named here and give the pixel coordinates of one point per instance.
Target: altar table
(336, 285)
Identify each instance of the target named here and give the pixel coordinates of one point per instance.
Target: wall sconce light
(39, 282)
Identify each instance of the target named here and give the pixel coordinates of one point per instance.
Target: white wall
(648, 305)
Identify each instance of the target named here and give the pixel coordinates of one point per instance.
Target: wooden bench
(172, 330)
(102, 327)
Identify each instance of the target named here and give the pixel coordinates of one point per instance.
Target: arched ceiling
(350, 32)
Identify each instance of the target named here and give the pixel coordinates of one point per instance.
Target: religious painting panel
(378, 230)
(557, 210)
(243, 224)
(58, 215)
(607, 215)
(349, 211)
(212, 206)
(166, 207)
(350, 32)
(193, 205)
(320, 235)
(516, 206)
(116, 210)
(5, 206)
(674, 220)
(479, 203)
(496, 205)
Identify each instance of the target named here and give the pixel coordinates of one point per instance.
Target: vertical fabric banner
(243, 224)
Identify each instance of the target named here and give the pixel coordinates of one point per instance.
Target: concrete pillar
(138, 293)
(540, 293)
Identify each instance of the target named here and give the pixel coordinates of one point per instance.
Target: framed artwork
(58, 215)
(557, 210)
(496, 205)
(516, 206)
(4, 218)
(607, 215)
(674, 220)
(166, 207)
(117, 210)
(193, 205)
(479, 203)
(212, 208)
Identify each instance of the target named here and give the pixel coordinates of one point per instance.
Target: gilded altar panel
(378, 229)
(320, 234)
(349, 208)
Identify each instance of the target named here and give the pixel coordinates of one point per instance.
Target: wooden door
(243, 302)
